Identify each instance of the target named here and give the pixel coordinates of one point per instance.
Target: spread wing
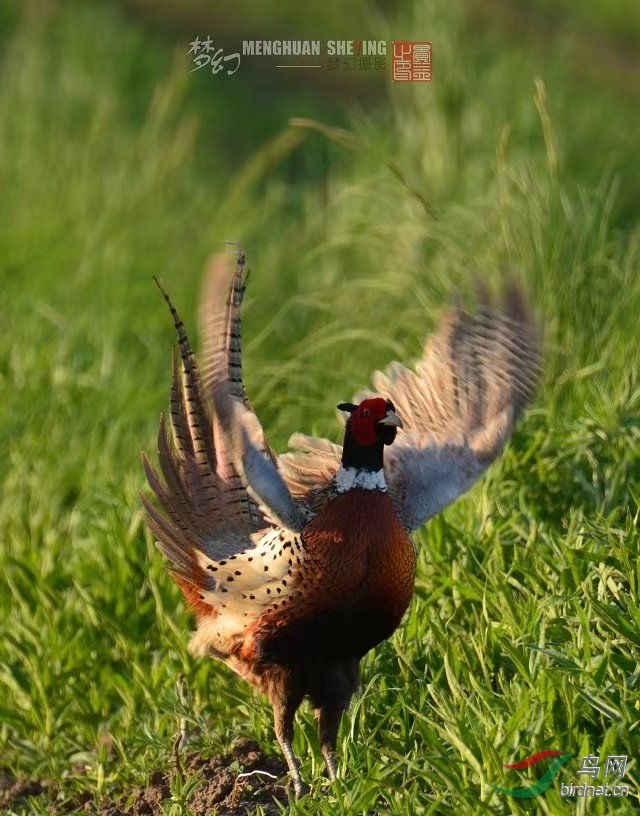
(458, 407)
(213, 449)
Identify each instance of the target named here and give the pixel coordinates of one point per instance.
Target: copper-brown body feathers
(352, 587)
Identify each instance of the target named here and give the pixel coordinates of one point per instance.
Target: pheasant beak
(391, 419)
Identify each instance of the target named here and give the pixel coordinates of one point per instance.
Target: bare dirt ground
(254, 780)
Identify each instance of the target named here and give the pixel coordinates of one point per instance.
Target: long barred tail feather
(220, 324)
(192, 406)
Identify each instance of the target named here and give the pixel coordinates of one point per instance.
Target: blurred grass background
(117, 164)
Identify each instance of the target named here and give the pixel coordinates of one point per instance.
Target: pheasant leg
(328, 724)
(284, 709)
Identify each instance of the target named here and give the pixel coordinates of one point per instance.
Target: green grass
(524, 633)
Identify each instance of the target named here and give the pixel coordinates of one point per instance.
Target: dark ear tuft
(346, 406)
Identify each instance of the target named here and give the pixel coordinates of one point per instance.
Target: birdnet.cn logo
(614, 769)
(407, 60)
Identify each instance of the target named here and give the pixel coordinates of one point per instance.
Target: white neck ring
(349, 477)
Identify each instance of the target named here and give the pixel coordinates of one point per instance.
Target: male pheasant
(297, 565)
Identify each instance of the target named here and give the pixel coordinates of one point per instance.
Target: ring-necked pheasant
(297, 565)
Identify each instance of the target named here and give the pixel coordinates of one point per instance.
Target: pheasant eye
(366, 412)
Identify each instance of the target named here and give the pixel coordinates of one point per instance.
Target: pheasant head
(371, 425)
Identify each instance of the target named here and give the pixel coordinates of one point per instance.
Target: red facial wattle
(364, 419)
(363, 430)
